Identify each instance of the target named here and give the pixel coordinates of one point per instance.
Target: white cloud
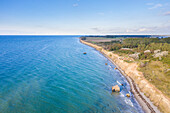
(137, 30)
(167, 13)
(150, 30)
(156, 6)
(143, 29)
(75, 5)
(163, 29)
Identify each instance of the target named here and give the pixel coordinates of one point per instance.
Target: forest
(141, 44)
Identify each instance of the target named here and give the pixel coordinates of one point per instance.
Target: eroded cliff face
(130, 69)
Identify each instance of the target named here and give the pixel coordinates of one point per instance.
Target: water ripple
(51, 74)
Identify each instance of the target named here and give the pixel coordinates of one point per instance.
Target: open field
(100, 39)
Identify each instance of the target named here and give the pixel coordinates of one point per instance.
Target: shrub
(115, 47)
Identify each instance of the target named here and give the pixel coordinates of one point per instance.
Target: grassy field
(158, 74)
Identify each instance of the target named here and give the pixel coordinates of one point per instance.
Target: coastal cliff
(137, 81)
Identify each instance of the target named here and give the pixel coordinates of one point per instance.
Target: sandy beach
(140, 87)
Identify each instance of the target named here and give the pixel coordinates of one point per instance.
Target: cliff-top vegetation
(152, 55)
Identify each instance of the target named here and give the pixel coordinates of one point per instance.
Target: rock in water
(84, 53)
(116, 88)
(105, 63)
(128, 95)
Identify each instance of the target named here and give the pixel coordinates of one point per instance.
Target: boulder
(106, 64)
(134, 56)
(84, 53)
(160, 54)
(128, 95)
(157, 51)
(116, 88)
(147, 51)
(164, 53)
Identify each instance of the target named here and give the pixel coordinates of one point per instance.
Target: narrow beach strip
(144, 102)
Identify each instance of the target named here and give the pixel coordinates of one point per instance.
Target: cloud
(101, 30)
(139, 30)
(167, 13)
(143, 29)
(96, 29)
(156, 6)
(151, 30)
(162, 29)
(75, 5)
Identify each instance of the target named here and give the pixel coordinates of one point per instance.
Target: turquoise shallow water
(50, 74)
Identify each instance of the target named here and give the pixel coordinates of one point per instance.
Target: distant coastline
(136, 81)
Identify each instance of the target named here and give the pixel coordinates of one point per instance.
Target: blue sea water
(50, 74)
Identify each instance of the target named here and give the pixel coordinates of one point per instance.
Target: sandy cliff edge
(139, 85)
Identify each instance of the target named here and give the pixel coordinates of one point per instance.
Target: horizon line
(76, 34)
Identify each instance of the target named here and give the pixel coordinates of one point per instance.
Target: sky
(84, 17)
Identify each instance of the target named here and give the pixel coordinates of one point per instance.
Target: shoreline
(144, 102)
(146, 105)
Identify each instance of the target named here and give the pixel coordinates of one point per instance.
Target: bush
(115, 47)
(128, 61)
(144, 43)
(166, 60)
(144, 56)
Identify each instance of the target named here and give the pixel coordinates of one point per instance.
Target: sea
(50, 74)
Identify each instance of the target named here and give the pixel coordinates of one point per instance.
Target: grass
(93, 42)
(128, 61)
(166, 60)
(157, 73)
